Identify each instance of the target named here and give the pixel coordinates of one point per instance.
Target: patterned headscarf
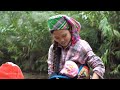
(59, 22)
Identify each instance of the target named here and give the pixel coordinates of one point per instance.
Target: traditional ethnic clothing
(78, 50)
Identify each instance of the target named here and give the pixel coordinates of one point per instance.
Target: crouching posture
(68, 46)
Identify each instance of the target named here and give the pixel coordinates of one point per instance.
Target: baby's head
(70, 69)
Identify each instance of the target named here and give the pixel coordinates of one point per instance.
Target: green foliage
(25, 34)
(105, 57)
(40, 64)
(116, 70)
(116, 36)
(117, 55)
(91, 37)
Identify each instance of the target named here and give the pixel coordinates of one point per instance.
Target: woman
(68, 46)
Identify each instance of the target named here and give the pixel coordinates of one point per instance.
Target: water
(35, 75)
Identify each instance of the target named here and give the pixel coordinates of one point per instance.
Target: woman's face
(63, 37)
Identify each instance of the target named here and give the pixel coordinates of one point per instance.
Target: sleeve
(93, 60)
(50, 60)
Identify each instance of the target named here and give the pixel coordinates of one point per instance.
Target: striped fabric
(57, 23)
(63, 22)
(81, 53)
(78, 50)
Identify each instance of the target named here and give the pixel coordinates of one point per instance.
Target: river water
(35, 75)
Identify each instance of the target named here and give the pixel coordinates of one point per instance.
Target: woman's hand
(95, 76)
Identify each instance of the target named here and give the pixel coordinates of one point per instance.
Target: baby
(71, 70)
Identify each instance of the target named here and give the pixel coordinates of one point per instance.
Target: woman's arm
(93, 61)
(97, 66)
(50, 61)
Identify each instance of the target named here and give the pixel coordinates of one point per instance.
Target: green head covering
(57, 22)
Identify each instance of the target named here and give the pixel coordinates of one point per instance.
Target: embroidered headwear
(63, 22)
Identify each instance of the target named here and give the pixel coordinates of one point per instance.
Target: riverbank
(31, 75)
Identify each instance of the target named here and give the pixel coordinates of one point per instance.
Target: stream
(35, 75)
